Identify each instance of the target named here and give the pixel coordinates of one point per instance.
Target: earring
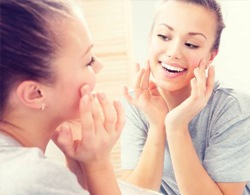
(42, 107)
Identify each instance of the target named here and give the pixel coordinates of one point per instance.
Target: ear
(31, 94)
(212, 55)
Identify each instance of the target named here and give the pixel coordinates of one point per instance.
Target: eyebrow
(190, 33)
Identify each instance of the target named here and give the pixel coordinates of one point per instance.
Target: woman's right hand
(147, 98)
(99, 131)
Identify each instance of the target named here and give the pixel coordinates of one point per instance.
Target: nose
(97, 66)
(174, 50)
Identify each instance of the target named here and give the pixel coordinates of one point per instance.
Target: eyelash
(192, 46)
(92, 61)
(166, 38)
(163, 37)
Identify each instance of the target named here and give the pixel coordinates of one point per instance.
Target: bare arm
(148, 172)
(190, 175)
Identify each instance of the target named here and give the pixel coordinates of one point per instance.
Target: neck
(175, 98)
(28, 132)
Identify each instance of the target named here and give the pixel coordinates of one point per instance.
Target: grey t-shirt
(26, 171)
(220, 134)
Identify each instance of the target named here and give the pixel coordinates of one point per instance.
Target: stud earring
(42, 107)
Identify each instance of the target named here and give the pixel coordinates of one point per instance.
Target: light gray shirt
(25, 171)
(220, 134)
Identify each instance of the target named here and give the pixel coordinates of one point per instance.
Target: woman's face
(183, 35)
(74, 67)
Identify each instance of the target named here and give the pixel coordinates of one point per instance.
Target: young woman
(47, 75)
(185, 133)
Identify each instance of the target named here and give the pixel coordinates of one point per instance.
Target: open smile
(172, 68)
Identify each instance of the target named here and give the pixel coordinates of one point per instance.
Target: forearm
(100, 178)
(190, 175)
(75, 168)
(148, 172)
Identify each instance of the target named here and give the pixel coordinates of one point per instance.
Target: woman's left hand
(201, 90)
(100, 129)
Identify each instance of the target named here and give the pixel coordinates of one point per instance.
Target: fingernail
(85, 89)
(85, 99)
(101, 95)
(118, 102)
(64, 130)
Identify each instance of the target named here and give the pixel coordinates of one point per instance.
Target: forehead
(187, 17)
(75, 31)
(73, 39)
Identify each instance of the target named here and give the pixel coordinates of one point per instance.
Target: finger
(153, 89)
(200, 76)
(203, 64)
(145, 78)
(137, 67)
(210, 82)
(87, 123)
(108, 111)
(97, 118)
(138, 78)
(193, 84)
(127, 95)
(85, 90)
(120, 117)
(63, 138)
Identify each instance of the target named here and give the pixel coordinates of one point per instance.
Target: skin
(70, 97)
(178, 30)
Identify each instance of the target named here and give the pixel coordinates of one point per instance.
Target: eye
(163, 37)
(192, 46)
(92, 61)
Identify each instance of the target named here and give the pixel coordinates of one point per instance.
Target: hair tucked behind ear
(212, 5)
(27, 42)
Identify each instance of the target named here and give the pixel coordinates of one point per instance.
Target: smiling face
(182, 36)
(74, 66)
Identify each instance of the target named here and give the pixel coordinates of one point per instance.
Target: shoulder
(31, 172)
(227, 108)
(227, 98)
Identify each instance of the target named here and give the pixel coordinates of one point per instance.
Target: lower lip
(171, 74)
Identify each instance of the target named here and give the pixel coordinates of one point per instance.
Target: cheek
(87, 79)
(155, 47)
(194, 62)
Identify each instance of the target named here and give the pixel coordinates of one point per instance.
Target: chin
(169, 86)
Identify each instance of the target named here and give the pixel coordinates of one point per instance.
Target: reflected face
(74, 66)
(183, 35)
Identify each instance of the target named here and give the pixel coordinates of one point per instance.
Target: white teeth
(172, 68)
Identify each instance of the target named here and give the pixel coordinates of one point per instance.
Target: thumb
(153, 88)
(63, 138)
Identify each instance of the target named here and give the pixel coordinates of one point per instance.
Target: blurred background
(120, 30)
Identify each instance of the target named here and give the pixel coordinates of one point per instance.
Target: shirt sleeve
(227, 157)
(133, 137)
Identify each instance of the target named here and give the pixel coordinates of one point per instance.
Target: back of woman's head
(28, 42)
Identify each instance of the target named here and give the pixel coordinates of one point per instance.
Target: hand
(201, 90)
(99, 134)
(147, 98)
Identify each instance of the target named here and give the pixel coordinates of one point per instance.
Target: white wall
(232, 63)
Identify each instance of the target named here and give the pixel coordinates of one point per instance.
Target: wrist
(97, 166)
(157, 127)
(175, 124)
